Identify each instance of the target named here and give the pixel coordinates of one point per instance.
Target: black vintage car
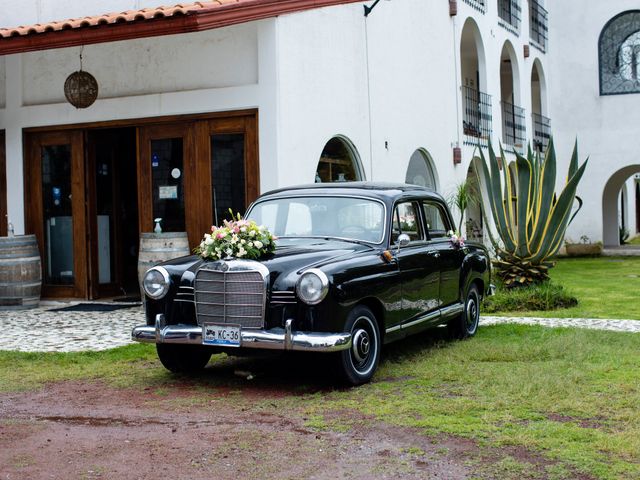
(357, 265)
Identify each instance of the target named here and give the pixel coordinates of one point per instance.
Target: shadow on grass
(295, 373)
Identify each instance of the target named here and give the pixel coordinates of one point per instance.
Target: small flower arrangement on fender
(455, 238)
(237, 238)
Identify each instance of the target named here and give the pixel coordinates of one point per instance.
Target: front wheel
(466, 325)
(358, 364)
(183, 358)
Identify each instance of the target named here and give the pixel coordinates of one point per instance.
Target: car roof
(381, 190)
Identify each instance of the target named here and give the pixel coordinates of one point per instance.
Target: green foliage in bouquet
(238, 239)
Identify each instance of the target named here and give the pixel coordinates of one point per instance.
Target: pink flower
(221, 235)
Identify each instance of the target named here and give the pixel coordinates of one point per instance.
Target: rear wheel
(358, 364)
(183, 358)
(466, 325)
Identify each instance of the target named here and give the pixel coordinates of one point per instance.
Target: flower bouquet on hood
(237, 238)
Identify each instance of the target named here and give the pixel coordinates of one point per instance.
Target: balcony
(538, 25)
(509, 12)
(514, 130)
(476, 116)
(479, 5)
(541, 132)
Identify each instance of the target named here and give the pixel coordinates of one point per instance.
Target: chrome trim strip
(274, 339)
(426, 318)
(446, 311)
(183, 300)
(452, 309)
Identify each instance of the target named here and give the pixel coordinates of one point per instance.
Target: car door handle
(436, 255)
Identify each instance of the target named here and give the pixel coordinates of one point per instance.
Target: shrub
(541, 296)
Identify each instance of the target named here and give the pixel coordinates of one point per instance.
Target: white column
(269, 98)
(14, 150)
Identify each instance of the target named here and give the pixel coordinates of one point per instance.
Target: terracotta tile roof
(113, 18)
(148, 22)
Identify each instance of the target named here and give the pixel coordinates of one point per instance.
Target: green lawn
(569, 396)
(606, 287)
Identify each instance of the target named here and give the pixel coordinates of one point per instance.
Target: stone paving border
(629, 326)
(41, 330)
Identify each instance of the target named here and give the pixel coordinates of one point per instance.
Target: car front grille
(235, 297)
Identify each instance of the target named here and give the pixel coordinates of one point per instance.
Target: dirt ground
(86, 430)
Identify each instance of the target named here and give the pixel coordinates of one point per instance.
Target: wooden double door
(90, 192)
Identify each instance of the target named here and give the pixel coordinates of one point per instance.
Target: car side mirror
(403, 240)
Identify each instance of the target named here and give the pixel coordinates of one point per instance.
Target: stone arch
(476, 104)
(611, 205)
(509, 74)
(473, 65)
(539, 117)
(514, 131)
(422, 170)
(339, 162)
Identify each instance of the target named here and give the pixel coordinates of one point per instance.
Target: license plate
(222, 335)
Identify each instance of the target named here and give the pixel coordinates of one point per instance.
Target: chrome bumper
(274, 339)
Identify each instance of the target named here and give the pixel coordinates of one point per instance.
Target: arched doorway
(540, 120)
(514, 131)
(611, 212)
(476, 104)
(421, 170)
(339, 162)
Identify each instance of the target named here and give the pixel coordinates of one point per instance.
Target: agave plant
(530, 217)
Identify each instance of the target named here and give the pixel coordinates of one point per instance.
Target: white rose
(258, 244)
(243, 241)
(208, 240)
(252, 233)
(250, 244)
(241, 252)
(243, 229)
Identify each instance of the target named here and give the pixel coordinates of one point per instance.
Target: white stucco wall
(606, 126)
(390, 83)
(219, 70)
(172, 63)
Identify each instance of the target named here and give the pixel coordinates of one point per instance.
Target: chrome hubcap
(472, 314)
(361, 346)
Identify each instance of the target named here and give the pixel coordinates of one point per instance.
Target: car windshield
(322, 216)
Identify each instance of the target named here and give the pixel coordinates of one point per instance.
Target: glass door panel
(55, 209)
(167, 183)
(227, 175)
(57, 214)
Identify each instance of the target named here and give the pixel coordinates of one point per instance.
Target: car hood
(287, 261)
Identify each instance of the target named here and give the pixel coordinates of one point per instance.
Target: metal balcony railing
(510, 14)
(476, 116)
(514, 130)
(538, 25)
(541, 132)
(479, 5)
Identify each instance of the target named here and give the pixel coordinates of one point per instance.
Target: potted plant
(584, 248)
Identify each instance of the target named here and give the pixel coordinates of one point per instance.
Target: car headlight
(312, 286)
(156, 282)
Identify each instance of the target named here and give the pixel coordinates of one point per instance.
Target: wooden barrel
(159, 247)
(20, 272)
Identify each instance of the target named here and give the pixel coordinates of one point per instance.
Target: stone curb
(41, 330)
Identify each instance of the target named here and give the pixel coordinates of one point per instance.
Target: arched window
(420, 171)
(619, 53)
(339, 162)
